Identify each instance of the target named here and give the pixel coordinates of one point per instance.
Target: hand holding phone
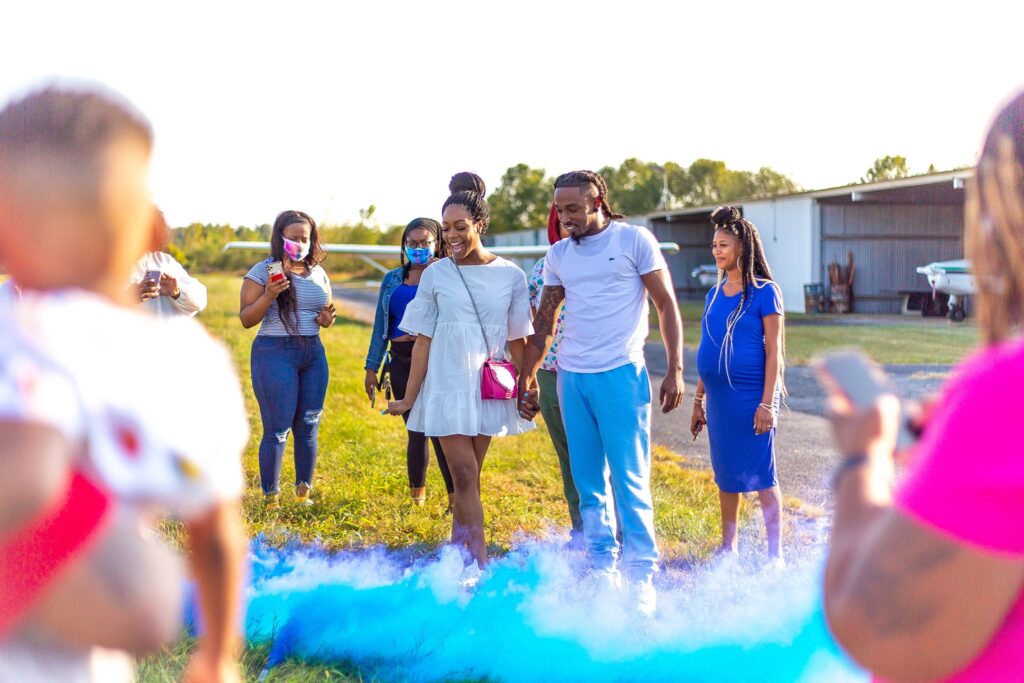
(862, 381)
(277, 281)
(149, 287)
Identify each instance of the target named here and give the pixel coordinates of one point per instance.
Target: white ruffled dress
(449, 401)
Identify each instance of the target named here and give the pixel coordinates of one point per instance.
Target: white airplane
(367, 251)
(953, 278)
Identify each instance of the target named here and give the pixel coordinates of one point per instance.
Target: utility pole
(666, 201)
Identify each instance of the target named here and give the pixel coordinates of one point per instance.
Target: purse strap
(473, 301)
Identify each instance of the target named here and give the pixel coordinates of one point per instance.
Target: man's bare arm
(544, 331)
(659, 287)
(543, 328)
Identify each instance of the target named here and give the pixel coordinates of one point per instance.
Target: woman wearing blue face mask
(421, 245)
(289, 296)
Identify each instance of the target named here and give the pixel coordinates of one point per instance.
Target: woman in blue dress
(740, 364)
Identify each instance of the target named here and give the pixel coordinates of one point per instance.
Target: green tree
(769, 183)
(702, 183)
(886, 168)
(521, 201)
(635, 186)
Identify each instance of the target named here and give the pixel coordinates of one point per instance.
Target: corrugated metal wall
(693, 234)
(888, 242)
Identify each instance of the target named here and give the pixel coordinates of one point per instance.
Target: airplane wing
(383, 250)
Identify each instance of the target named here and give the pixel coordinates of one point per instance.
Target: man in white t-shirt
(604, 272)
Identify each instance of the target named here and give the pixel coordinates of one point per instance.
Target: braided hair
(754, 274)
(287, 308)
(431, 226)
(994, 233)
(583, 180)
(468, 189)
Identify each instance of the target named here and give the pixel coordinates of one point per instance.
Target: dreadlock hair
(287, 309)
(583, 180)
(468, 190)
(754, 273)
(431, 226)
(994, 232)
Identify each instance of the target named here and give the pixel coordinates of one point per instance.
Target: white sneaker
(471, 577)
(645, 597)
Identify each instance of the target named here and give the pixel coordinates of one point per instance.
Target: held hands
(672, 389)
(326, 316)
(169, 286)
(528, 399)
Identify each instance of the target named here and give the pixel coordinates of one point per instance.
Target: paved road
(803, 447)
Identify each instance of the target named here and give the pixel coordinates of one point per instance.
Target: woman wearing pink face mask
(289, 296)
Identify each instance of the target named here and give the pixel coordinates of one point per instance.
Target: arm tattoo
(882, 581)
(547, 311)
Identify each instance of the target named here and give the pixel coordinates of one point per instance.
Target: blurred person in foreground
(161, 284)
(924, 582)
(96, 440)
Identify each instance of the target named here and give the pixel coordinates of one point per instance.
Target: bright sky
(331, 107)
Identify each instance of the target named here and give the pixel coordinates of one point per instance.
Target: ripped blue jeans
(289, 378)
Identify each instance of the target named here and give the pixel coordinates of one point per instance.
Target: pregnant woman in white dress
(447, 361)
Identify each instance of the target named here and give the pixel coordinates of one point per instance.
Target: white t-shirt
(608, 300)
(192, 299)
(154, 403)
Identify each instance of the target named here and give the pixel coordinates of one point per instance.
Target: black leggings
(417, 454)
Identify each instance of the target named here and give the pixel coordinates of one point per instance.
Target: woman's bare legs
(771, 508)
(466, 460)
(730, 503)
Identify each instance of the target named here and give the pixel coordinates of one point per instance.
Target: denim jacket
(381, 322)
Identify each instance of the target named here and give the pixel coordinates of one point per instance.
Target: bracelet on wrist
(848, 463)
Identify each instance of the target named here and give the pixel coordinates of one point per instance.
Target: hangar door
(888, 242)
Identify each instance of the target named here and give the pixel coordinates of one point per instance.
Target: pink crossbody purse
(498, 379)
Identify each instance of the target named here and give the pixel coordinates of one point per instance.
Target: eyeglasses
(422, 244)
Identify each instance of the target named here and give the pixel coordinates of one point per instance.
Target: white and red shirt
(154, 403)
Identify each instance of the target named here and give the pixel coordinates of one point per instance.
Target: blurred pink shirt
(967, 482)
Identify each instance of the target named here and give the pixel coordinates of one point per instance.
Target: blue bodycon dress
(734, 384)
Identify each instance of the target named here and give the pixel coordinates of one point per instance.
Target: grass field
(361, 491)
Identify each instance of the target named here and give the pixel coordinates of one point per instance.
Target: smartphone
(152, 275)
(276, 271)
(863, 381)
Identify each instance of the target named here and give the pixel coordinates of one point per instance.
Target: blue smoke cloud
(531, 617)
